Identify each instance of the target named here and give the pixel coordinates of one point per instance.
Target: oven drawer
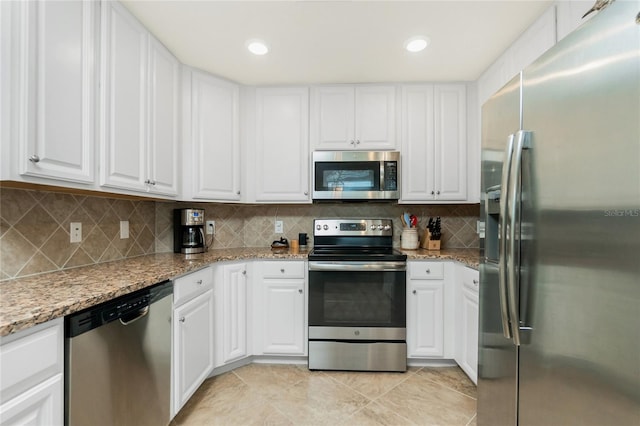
(376, 356)
(426, 270)
(283, 269)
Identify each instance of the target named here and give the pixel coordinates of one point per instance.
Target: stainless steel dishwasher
(118, 360)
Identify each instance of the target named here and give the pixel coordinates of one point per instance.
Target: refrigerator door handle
(522, 142)
(502, 243)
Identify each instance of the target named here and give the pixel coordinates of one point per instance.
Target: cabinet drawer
(30, 357)
(426, 270)
(188, 286)
(283, 269)
(471, 279)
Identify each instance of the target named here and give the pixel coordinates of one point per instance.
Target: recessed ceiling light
(257, 47)
(416, 44)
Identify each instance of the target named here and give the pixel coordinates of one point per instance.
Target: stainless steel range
(357, 297)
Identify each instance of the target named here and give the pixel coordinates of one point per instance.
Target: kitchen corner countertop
(25, 302)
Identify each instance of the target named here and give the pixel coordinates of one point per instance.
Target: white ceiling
(338, 41)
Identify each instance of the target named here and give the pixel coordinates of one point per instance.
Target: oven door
(357, 300)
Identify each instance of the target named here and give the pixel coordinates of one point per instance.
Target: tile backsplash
(239, 225)
(34, 230)
(34, 226)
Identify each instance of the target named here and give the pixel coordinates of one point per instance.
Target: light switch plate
(279, 228)
(124, 229)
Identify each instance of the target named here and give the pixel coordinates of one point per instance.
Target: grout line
(471, 419)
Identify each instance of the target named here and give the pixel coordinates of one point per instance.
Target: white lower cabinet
(279, 308)
(467, 286)
(425, 309)
(231, 294)
(193, 354)
(32, 385)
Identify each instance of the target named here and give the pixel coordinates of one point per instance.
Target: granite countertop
(25, 302)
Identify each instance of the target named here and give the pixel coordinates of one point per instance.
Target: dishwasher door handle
(141, 313)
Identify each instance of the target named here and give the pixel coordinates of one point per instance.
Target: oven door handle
(356, 266)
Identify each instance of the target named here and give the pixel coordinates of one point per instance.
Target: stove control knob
(373, 227)
(318, 227)
(380, 227)
(387, 227)
(325, 227)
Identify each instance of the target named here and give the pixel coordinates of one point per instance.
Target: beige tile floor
(266, 394)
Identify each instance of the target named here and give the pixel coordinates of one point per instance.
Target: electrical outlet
(75, 229)
(124, 229)
(279, 229)
(211, 227)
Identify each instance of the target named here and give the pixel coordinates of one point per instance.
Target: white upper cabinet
(282, 145)
(211, 128)
(139, 78)
(52, 88)
(434, 143)
(164, 120)
(353, 117)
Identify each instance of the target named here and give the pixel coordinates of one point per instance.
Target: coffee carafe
(188, 231)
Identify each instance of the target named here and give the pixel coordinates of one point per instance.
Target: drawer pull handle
(300, 290)
(199, 282)
(182, 319)
(428, 271)
(34, 159)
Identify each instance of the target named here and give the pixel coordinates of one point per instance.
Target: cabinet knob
(244, 272)
(199, 282)
(300, 290)
(358, 142)
(475, 282)
(428, 271)
(34, 159)
(437, 192)
(282, 270)
(432, 192)
(182, 319)
(414, 292)
(238, 193)
(352, 143)
(306, 192)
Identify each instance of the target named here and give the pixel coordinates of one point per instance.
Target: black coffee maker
(188, 231)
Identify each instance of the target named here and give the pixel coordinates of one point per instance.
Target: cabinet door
(283, 322)
(41, 405)
(124, 79)
(215, 156)
(417, 143)
(282, 145)
(375, 117)
(469, 351)
(425, 318)
(231, 314)
(164, 85)
(54, 93)
(333, 117)
(450, 142)
(193, 346)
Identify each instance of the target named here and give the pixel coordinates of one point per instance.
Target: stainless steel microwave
(356, 175)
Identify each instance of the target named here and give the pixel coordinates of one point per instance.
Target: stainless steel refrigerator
(559, 337)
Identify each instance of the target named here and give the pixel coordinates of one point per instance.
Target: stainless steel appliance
(118, 361)
(357, 297)
(559, 272)
(356, 175)
(188, 231)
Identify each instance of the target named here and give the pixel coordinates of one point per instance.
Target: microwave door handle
(513, 237)
(502, 240)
